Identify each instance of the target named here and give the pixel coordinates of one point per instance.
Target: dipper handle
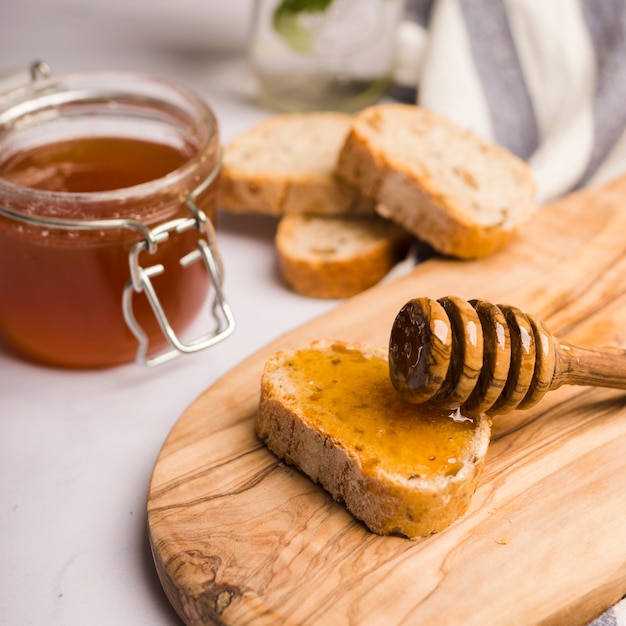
(488, 358)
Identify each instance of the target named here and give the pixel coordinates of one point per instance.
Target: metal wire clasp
(141, 281)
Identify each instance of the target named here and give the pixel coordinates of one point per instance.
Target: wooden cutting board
(240, 538)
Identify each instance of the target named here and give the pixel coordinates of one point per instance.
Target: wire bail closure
(140, 281)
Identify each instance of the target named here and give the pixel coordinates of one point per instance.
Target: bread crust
(387, 503)
(463, 196)
(337, 257)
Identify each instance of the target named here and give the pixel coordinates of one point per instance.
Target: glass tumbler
(323, 54)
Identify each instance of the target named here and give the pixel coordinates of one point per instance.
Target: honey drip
(351, 399)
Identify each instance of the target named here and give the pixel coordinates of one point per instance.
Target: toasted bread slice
(286, 164)
(330, 409)
(463, 196)
(337, 257)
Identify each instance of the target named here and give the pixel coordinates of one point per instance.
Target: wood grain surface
(240, 538)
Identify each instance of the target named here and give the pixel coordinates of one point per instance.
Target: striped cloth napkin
(545, 79)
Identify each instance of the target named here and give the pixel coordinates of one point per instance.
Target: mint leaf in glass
(287, 20)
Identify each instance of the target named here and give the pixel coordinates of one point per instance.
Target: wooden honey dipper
(488, 358)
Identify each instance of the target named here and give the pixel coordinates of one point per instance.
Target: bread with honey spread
(463, 196)
(330, 409)
(337, 257)
(286, 164)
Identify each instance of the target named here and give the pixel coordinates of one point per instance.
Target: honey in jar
(92, 166)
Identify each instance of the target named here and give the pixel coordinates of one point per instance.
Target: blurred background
(79, 34)
(198, 43)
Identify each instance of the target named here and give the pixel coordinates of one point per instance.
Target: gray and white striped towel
(545, 79)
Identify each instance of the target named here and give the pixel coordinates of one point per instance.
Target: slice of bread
(330, 409)
(463, 196)
(286, 164)
(337, 257)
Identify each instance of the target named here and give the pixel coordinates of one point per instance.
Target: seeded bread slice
(337, 257)
(463, 196)
(330, 409)
(286, 164)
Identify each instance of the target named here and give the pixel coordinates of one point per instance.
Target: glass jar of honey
(108, 191)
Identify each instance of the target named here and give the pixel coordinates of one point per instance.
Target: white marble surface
(77, 448)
